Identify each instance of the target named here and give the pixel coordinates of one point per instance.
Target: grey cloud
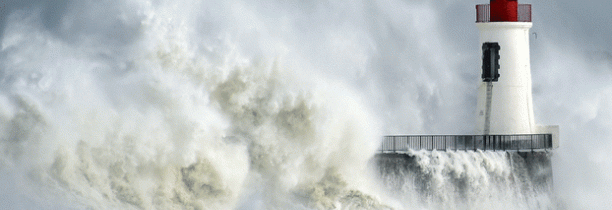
(107, 22)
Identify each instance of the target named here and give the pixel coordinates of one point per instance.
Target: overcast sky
(421, 57)
(589, 21)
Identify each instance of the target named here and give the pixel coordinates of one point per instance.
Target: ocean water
(274, 105)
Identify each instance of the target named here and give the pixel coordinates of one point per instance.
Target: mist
(105, 89)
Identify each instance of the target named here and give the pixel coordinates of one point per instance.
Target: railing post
(494, 143)
(420, 143)
(393, 142)
(532, 143)
(432, 143)
(484, 144)
(550, 140)
(444, 142)
(455, 143)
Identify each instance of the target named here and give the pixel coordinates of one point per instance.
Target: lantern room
(503, 11)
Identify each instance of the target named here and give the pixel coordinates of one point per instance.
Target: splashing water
(169, 122)
(253, 105)
(466, 180)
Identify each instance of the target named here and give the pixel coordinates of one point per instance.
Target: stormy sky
(588, 21)
(421, 57)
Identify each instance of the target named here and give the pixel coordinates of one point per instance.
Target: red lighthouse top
(503, 11)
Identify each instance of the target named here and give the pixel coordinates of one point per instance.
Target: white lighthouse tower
(504, 103)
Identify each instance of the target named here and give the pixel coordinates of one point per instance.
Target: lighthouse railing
(519, 142)
(524, 13)
(483, 13)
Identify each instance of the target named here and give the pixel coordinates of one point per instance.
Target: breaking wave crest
(192, 105)
(172, 126)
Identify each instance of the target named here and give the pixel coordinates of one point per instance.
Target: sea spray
(163, 125)
(465, 180)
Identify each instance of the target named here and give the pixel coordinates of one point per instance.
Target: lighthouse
(505, 121)
(504, 104)
(504, 108)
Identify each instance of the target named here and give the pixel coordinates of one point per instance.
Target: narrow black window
(490, 61)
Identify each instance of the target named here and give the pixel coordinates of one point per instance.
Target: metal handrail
(483, 13)
(395, 144)
(524, 13)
